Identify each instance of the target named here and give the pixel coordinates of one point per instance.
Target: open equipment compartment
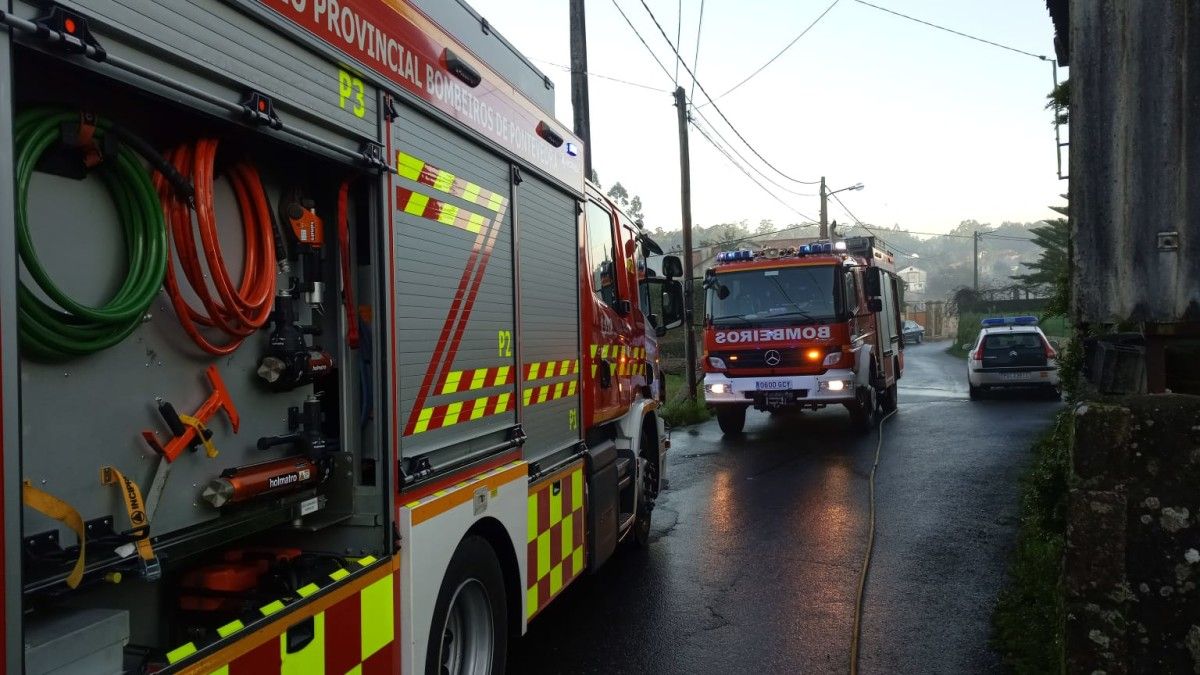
(226, 478)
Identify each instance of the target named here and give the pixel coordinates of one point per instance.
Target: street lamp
(825, 204)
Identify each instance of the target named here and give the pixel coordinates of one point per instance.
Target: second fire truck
(803, 327)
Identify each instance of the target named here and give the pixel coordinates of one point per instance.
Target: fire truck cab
(803, 328)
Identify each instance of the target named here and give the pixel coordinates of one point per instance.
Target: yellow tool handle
(52, 507)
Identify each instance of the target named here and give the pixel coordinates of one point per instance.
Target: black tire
(974, 392)
(1053, 393)
(890, 399)
(474, 566)
(731, 419)
(862, 411)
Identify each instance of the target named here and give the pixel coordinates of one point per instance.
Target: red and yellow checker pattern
(424, 173)
(629, 360)
(546, 369)
(353, 632)
(557, 536)
(477, 378)
(548, 392)
(449, 414)
(427, 207)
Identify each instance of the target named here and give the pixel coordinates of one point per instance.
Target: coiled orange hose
(235, 312)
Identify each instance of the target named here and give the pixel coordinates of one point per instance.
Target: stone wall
(1133, 537)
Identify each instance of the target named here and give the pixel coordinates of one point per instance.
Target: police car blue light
(994, 321)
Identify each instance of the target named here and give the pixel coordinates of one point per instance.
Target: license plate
(1015, 376)
(773, 385)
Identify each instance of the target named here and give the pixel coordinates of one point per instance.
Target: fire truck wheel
(862, 411)
(469, 632)
(890, 399)
(731, 419)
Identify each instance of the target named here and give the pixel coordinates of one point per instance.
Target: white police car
(1012, 352)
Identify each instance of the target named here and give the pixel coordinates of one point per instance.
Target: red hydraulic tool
(190, 431)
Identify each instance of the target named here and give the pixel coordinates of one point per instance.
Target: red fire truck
(803, 328)
(319, 354)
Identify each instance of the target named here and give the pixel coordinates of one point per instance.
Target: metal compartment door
(546, 222)
(453, 293)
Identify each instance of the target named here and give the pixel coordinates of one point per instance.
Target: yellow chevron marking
(408, 166)
(478, 379)
(452, 381)
(416, 204)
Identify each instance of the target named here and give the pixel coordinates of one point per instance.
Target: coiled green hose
(73, 329)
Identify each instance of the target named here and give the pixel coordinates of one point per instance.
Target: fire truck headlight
(834, 385)
(716, 362)
(718, 388)
(832, 358)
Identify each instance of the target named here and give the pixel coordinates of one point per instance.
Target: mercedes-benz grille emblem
(1013, 353)
(772, 357)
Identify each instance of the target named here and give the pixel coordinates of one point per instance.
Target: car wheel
(862, 411)
(469, 634)
(890, 399)
(1054, 393)
(975, 392)
(731, 419)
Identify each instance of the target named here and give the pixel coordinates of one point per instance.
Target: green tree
(1060, 102)
(1052, 269)
(632, 204)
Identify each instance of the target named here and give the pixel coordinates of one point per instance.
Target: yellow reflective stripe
(475, 223)
(543, 554)
(366, 560)
(502, 374)
(531, 601)
(310, 659)
(452, 412)
(527, 395)
(408, 166)
(542, 392)
(495, 202)
(558, 390)
(478, 379)
(444, 180)
(577, 561)
(452, 380)
(230, 628)
(223, 670)
(423, 420)
(375, 603)
(604, 351)
(502, 402)
(447, 214)
(594, 347)
(339, 574)
(416, 204)
(571, 388)
(534, 369)
(563, 367)
(577, 491)
(568, 534)
(356, 670)
(479, 408)
(556, 579)
(181, 652)
(307, 590)
(271, 608)
(471, 192)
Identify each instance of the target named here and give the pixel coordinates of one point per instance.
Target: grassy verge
(1027, 622)
(679, 411)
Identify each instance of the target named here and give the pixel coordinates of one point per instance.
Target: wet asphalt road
(758, 541)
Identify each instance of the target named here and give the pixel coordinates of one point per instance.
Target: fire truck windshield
(781, 295)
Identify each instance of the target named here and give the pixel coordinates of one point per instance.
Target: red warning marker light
(262, 105)
(69, 25)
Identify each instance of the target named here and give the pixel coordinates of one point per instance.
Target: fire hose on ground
(856, 631)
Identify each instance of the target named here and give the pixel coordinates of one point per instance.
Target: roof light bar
(994, 321)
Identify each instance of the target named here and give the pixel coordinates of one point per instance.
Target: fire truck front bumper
(776, 391)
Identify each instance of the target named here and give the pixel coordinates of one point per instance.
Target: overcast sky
(939, 128)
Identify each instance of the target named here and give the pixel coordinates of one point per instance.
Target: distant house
(915, 279)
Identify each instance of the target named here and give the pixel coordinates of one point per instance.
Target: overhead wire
(747, 162)
(780, 52)
(753, 179)
(696, 58)
(641, 39)
(715, 107)
(607, 77)
(678, 34)
(951, 30)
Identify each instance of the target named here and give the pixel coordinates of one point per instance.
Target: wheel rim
(467, 637)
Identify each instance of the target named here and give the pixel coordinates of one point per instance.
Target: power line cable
(747, 162)
(781, 51)
(678, 34)
(641, 39)
(710, 98)
(747, 173)
(951, 30)
(605, 77)
(696, 58)
(864, 226)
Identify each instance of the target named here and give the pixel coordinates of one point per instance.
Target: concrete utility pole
(579, 84)
(824, 210)
(976, 258)
(685, 198)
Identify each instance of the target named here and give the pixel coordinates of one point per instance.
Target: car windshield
(792, 294)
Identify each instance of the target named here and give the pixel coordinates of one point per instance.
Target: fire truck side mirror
(873, 283)
(673, 306)
(874, 305)
(672, 267)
